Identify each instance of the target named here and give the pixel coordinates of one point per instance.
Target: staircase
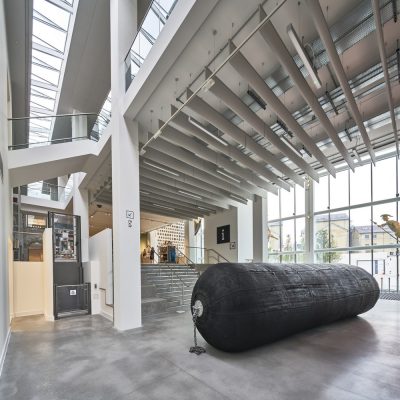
(167, 287)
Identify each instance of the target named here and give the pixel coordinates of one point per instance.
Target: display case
(66, 237)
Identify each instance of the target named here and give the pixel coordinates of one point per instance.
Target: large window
(352, 219)
(286, 227)
(349, 220)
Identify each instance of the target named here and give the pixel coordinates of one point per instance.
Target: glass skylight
(51, 30)
(152, 24)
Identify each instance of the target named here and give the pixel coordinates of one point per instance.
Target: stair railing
(172, 272)
(209, 254)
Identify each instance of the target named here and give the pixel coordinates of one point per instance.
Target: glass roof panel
(51, 28)
(49, 35)
(55, 14)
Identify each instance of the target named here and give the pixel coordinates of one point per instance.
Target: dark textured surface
(248, 305)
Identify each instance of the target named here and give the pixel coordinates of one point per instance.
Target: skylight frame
(58, 17)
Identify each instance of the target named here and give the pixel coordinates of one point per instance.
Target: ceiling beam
(220, 90)
(185, 172)
(241, 137)
(175, 136)
(159, 211)
(178, 205)
(200, 169)
(181, 121)
(247, 72)
(323, 31)
(174, 196)
(382, 54)
(161, 206)
(270, 35)
(192, 186)
(152, 184)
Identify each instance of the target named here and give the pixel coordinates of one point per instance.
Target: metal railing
(47, 191)
(148, 32)
(203, 255)
(172, 274)
(28, 132)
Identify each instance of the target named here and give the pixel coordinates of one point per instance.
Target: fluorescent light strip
(227, 175)
(195, 196)
(204, 209)
(303, 55)
(165, 207)
(201, 127)
(145, 193)
(160, 168)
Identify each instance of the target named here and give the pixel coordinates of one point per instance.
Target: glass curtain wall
(354, 219)
(286, 226)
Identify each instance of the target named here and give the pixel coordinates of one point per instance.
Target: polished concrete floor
(83, 358)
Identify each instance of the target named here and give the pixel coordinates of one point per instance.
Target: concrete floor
(84, 358)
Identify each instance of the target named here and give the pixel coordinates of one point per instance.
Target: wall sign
(129, 214)
(72, 292)
(223, 234)
(232, 245)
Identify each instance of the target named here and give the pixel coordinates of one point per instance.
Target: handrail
(172, 271)
(184, 255)
(209, 250)
(62, 140)
(49, 116)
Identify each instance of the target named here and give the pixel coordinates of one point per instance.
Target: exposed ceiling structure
(261, 122)
(242, 114)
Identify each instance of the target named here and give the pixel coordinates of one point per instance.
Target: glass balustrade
(32, 132)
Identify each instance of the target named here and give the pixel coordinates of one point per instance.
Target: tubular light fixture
(328, 96)
(283, 126)
(257, 99)
(208, 85)
(160, 206)
(357, 156)
(160, 168)
(201, 127)
(303, 55)
(143, 192)
(204, 208)
(195, 196)
(227, 175)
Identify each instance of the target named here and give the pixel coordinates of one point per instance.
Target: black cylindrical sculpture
(241, 306)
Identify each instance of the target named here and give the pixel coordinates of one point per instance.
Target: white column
(125, 176)
(79, 125)
(260, 229)
(62, 183)
(81, 207)
(309, 223)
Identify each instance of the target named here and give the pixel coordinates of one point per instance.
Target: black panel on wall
(223, 234)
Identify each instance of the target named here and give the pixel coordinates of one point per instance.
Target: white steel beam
(382, 53)
(246, 70)
(270, 35)
(323, 31)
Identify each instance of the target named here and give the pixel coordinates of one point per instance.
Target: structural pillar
(309, 223)
(125, 176)
(80, 202)
(260, 229)
(79, 125)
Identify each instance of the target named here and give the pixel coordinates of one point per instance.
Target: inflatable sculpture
(241, 306)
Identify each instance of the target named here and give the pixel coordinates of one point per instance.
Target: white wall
(28, 288)
(5, 202)
(240, 220)
(48, 274)
(245, 232)
(227, 217)
(101, 274)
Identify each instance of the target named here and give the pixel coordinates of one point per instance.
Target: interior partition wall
(345, 214)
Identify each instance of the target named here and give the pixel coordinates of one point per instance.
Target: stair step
(154, 305)
(149, 291)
